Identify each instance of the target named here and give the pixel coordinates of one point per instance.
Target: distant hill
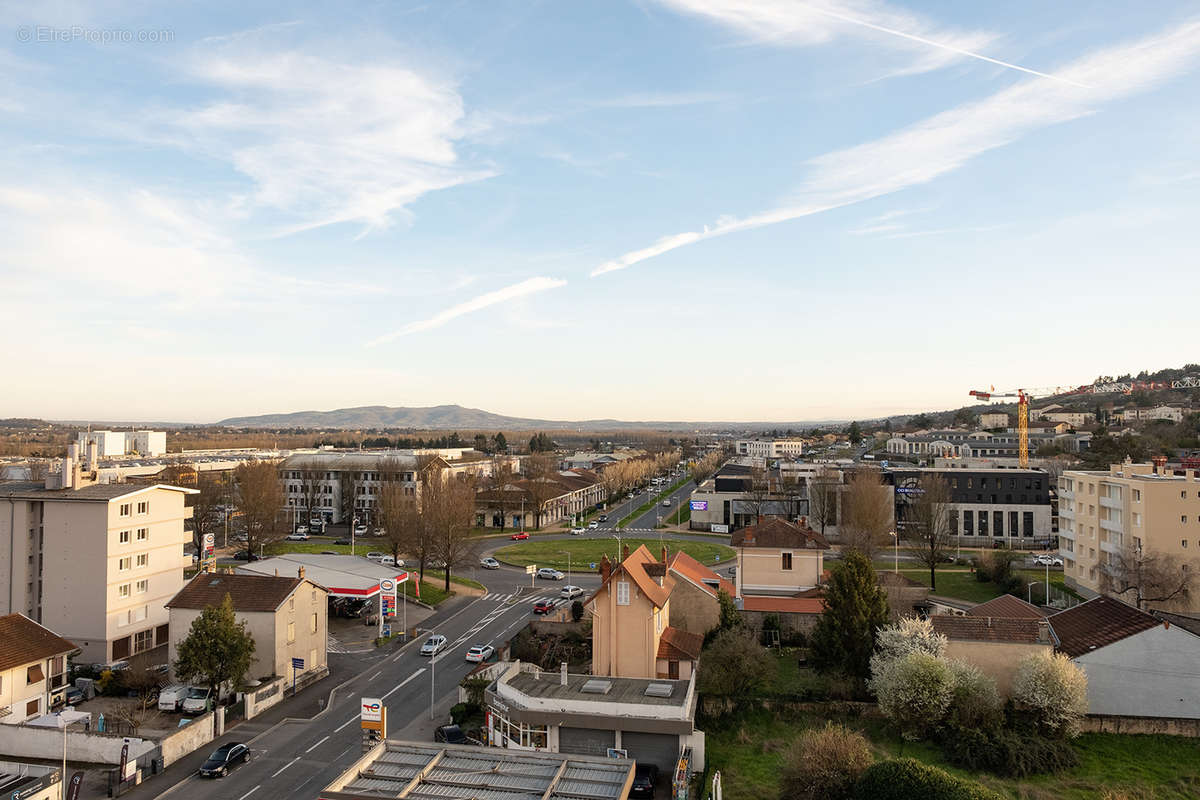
(455, 417)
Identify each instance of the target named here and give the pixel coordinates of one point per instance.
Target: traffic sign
(297, 663)
(530, 569)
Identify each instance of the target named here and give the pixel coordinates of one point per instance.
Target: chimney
(562, 674)
(664, 554)
(624, 552)
(93, 456)
(605, 568)
(300, 573)
(277, 572)
(1043, 634)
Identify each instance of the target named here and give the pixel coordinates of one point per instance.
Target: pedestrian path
(512, 597)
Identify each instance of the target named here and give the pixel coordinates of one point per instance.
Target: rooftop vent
(596, 687)
(659, 690)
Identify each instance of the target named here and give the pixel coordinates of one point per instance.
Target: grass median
(585, 552)
(654, 500)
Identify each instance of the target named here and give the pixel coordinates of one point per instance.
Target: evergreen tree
(500, 443)
(855, 433)
(855, 609)
(217, 650)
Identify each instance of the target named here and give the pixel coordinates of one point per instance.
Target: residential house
(778, 558)
(33, 669)
(1136, 665)
(1170, 413)
(1006, 606)
(994, 644)
(694, 605)
(288, 618)
(906, 597)
(1073, 418)
(94, 561)
(560, 496)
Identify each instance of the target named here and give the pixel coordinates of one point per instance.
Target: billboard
(698, 505)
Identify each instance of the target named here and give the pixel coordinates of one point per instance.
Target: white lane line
(396, 688)
(355, 718)
(247, 794)
(376, 675)
(285, 766)
(318, 744)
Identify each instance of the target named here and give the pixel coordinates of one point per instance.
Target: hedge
(909, 779)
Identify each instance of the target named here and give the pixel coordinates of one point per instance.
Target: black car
(343, 540)
(450, 734)
(644, 778)
(602, 518)
(223, 758)
(244, 555)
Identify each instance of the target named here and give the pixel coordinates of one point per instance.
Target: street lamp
(1029, 593)
(432, 672)
(567, 553)
(895, 551)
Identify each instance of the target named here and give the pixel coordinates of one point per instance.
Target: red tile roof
(23, 641)
(989, 629)
(635, 567)
(695, 572)
(249, 592)
(679, 645)
(779, 533)
(1006, 605)
(1096, 623)
(783, 605)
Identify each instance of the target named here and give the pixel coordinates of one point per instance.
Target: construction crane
(1022, 396)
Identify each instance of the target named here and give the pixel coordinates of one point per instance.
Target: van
(171, 698)
(196, 700)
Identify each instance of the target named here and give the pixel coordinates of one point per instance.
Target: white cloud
(507, 294)
(944, 142)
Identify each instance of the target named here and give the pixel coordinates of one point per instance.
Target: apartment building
(770, 448)
(1073, 418)
(93, 562)
(120, 443)
(1170, 413)
(1104, 517)
(993, 419)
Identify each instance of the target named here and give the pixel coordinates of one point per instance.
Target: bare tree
(348, 484)
(867, 513)
(706, 467)
(205, 516)
(143, 685)
(179, 473)
(311, 486)
(542, 484)
(1141, 576)
(399, 517)
(260, 499)
(823, 497)
(757, 493)
(447, 509)
(928, 523)
(500, 477)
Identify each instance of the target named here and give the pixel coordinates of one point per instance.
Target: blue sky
(679, 209)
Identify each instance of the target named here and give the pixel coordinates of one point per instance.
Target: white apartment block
(121, 443)
(1101, 514)
(1159, 412)
(770, 448)
(993, 419)
(93, 562)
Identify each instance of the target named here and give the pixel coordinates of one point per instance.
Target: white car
(480, 652)
(577, 531)
(360, 530)
(433, 645)
(593, 525)
(301, 528)
(390, 561)
(375, 556)
(297, 537)
(571, 592)
(1048, 561)
(316, 522)
(550, 574)
(667, 502)
(489, 563)
(196, 701)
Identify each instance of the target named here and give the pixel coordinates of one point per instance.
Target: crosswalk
(513, 597)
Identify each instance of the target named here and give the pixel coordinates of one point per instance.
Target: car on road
(433, 645)
(489, 563)
(644, 778)
(544, 606)
(391, 561)
(1045, 560)
(602, 518)
(570, 592)
(516, 537)
(450, 734)
(224, 757)
(297, 537)
(480, 652)
(244, 555)
(550, 574)
(667, 502)
(343, 541)
(593, 525)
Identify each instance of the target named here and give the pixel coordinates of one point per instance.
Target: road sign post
(297, 664)
(531, 570)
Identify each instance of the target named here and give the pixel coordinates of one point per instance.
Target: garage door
(659, 749)
(585, 741)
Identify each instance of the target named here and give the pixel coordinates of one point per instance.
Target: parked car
(593, 525)
(577, 531)
(489, 563)
(544, 606)
(301, 528)
(171, 698)
(644, 778)
(450, 734)
(244, 555)
(375, 555)
(571, 592)
(74, 696)
(360, 530)
(519, 536)
(1046, 560)
(390, 561)
(343, 541)
(550, 574)
(297, 537)
(224, 757)
(480, 652)
(316, 522)
(196, 701)
(379, 532)
(433, 645)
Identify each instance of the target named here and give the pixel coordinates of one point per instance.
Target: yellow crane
(1022, 396)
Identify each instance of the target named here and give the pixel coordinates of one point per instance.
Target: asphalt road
(297, 758)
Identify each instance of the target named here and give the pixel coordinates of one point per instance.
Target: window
(143, 534)
(787, 561)
(1137, 519)
(997, 523)
(123, 590)
(312, 623)
(969, 523)
(1137, 495)
(983, 523)
(124, 564)
(1183, 519)
(292, 603)
(32, 707)
(1183, 543)
(123, 537)
(622, 593)
(142, 586)
(291, 632)
(143, 559)
(143, 640)
(34, 674)
(125, 509)
(144, 507)
(953, 523)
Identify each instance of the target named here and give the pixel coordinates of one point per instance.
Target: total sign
(372, 709)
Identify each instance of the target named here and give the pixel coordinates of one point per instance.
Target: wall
(788, 623)
(24, 741)
(692, 608)
(760, 570)
(1151, 674)
(187, 739)
(996, 659)
(624, 640)
(265, 697)
(1102, 723)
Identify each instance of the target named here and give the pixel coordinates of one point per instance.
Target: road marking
(397, 687)
(347, 722)
(376, 675)
(247, 794)
(318, 744)
(285, 766)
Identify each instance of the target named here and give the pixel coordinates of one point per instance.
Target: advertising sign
(698, 505)
(210, 542)
(387, 597)
(715, 528)
(372, 709)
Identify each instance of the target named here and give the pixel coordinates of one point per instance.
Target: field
(587, 551)
(959, 582)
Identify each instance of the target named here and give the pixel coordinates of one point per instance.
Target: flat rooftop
(601, 689)
(343, 576)
(463, 772)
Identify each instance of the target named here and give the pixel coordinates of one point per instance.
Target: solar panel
(659, 690)
(596, 687)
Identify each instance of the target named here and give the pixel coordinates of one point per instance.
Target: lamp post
(567, 553)
(895, 551)
(432, 672)
(1029, 592)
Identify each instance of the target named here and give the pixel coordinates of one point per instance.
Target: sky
(638, 209)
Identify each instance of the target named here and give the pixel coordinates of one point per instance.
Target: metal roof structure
(419, 771)
(343, 576)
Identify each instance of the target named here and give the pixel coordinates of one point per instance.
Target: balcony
(1112, 525)
(1066, 494)
(1108, 502)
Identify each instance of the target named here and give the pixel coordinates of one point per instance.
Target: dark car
(223, 758)
(74, 696)
(244, 555)
(450, 734)
(343, 540)
(602, 518)
(644, 778)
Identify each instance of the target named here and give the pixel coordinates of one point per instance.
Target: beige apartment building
(93, 562)
(288, 618)
(1104, 514)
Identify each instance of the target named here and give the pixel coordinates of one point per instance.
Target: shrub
(914, 692)
(458, 712)
(1007, 753)
(824, 764)
(1053, 690)
(909, 779)
(909, 635)
(734, 665)
(577, 610)
(975, 703)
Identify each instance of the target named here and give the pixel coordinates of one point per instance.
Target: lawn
(586, 551)
(431, 593)
(681, 515)
(953, 582)
(749, 750)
